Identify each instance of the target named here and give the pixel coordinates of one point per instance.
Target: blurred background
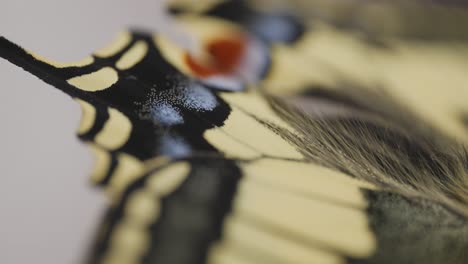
(48, 208)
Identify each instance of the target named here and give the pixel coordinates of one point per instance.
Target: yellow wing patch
(116, 131)
(81, 63)
(127, 245)
(167, 181)
(231, 147)
(309, 180)
(340, 228)
(241, 238)
(247, 130)
(294, 212)
(95, 81)
(253, 102)
(227, 255)
(102, 163)
(248, 137)
(133, 56)
(88, 116)
(128, 169)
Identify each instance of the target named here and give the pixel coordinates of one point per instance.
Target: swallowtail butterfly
(299, 132)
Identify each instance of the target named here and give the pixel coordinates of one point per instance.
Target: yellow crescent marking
(83, 62)
(142, 209)
(95, 81)
(237, 234)
(128, 244)
(120, 42)
(169, 179)
(131, 238)
(133, 56)
(116, 131)
(308, 179)
(88, 116)
(102, 163)
(344, 229)
(128, 169)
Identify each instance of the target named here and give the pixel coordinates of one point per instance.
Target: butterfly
(295, 141)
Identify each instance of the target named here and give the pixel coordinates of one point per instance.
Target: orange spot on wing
(226, 55)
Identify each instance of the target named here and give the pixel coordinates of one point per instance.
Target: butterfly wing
(171, 162)
(197, 173)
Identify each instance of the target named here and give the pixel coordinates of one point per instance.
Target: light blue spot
(196, 97)
(166, 114)
(174, 146)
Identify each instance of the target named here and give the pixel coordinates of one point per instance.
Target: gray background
(48, 209)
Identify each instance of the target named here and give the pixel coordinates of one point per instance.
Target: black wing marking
(123, 125)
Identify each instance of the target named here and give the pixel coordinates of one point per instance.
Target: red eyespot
(226, 55)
